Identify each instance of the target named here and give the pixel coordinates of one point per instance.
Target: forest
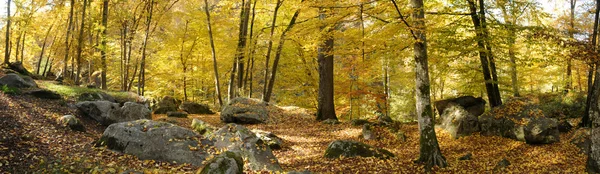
(299, 86)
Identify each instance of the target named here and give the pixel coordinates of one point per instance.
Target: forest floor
(32, 141)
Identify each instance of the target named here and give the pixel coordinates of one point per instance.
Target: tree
(325, 105)
(7, 46)
(142, 75)
(214, 55)
(80, 43)
(37, 69)
(429, 153)
(237, 70)
(68, 34)
(591, 105)
(103, 46)
(269, 48)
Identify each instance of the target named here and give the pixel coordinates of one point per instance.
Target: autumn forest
(299, 86)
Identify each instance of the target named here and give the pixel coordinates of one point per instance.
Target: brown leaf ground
(32, 141)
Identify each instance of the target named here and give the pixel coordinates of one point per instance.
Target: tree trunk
(429, 153)
(80, 43)
(142, 77)
(103, 47)
(325, 105)
(39, 63)
(591, 106)
(238, 63)
(214, 55)
(267, 96)
(17, 51)
(23, 46)
(7, 46)
(253, 47)
(270, 47)
(511, 23)
(69, 27)
(569, 77)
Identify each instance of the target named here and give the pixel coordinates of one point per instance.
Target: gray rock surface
(72, 122)
(16, 81)
(245, 111)
(225, 163)
(195, 108)
(107, 113)
(345, 148)
(457, 121)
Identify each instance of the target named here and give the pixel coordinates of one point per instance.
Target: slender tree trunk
(591, 106)
(325, 105)
(182, 59)
(511, 23)
(569, 78)
(23, 46)
(593, 161)
(39, 63)
(490, 55)
(68, 34)
(103, 46)
(253, 47)
(214, 55)
(142, 78)
(80, 43)
(122, 62)
(270, 47)
(135, 70)
(267, 96)
(430, 153)
(17, 51)
(7, 46)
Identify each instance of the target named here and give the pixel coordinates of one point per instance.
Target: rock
(177, 114)
(345, 148)
(367, 132)
(168, 120)
(227, 163)
(457, 121)
(237, 138)
(245, 111)
(195, 108)
(96, 96)
(272, 140)
(359, 122)
(44, 94)
(16, 81)
(107, 112)
(18, 67)
(564, 126)
(520, 120)
(475, 106)
(150, 140)
(72, 122)
(581, 139)
(202, 127)
(593, 162)
(466, 157)
(96, 80)
(331, 121)
(165, 105)
(503, 163)
(384, 120)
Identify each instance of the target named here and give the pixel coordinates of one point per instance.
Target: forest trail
(33, 141)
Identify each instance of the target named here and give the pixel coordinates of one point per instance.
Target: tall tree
(68, 34)
(325, 105)
(569, 81)
(80, 42)
(142, 75)
(214, 55)
(7, 46)
(591, 105)
(103, 46)
(270, 47)
(39, 63)
(237, 71)
(593, 161)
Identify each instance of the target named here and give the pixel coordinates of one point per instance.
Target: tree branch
(404, 20)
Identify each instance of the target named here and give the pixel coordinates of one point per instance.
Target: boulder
(367, 132)
(272, 140)
(237, 138)
(245, 111)
(177, 114)
(475, 106)
(195, 108)
(150, 140)
(202, 127)
(16, 81)
(227, 163)
(107, 113)
(359, 122)
(593, 162)
(521, 121)
(72, 122)
(564, 126)
(459, 122)
(345, 148)
(165, 105)
(44, 94)
(96, 96)
(168, 120)
(384, 119)
(581, 139)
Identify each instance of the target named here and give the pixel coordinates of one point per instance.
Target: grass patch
(9, 90)
(73, 92)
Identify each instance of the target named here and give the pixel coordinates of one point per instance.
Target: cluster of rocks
(19, 80)
(175, 108)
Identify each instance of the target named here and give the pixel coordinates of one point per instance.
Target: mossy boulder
(177, 114)
(107, 113)
(202, 127)
(195, 108)
(166, 104)
(17, 81)
(272, 140)
(343, 148)
(227, 163)
(72, 122)
(245, 111)
(44, 94)
(96, 96)
(457, 121)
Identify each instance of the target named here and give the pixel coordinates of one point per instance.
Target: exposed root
(434, 158)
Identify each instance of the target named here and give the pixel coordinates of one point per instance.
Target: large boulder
(272, 140)
(245, 111)
(581, 139)
(44, 94)
(475, 106)
(458, 121)
(520, 120)
(226, 163)
(150, 140)
(167, 104)
(177, 114)
(202, 127)
(195, 108)
(16, 81)
(72, 122)
(237, 138)
(107, 113)
(345, 148)
(96, 96)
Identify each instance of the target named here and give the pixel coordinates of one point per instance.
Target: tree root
(434, 158)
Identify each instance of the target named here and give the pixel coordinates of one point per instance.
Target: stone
(245, 111)
(16, 81)
(107, 113)
(72, 122)
(226, 163)
(96, 96)
(475, 106)
(339, 148)
(457, 121)
(202, 127)
(165, 105)
(331, 121)
(168, 120)
(177, 114)
(359, 122)
(195, 108)
(367, 132)
(581, 139)
(151, 140)
(44, 94)
(541, 131)
(564, 126)
(237, 138)
(466, 157)
(272, 140)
